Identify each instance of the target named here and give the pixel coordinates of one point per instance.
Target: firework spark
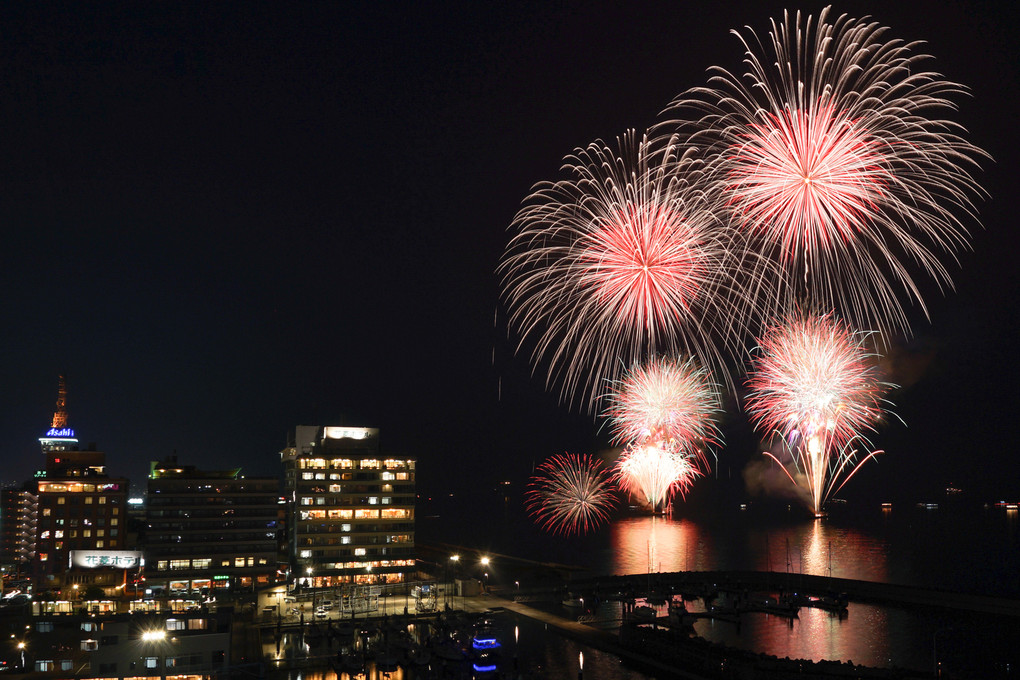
(813, 384)
(666, 399)
(623, 260)
(829, 152)
(654, 471)
(570, 494)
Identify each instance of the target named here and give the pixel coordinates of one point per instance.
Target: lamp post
(446, 587)
(21, 648)
(485, 572)
(311, 584)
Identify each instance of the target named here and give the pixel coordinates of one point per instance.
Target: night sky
(224, 221)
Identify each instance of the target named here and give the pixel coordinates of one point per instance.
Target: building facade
(351, 508)
(210, 530)
(19, 518)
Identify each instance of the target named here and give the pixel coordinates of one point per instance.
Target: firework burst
(622, 260)
(813, 384)
(830, 152)
(666, 399)
(655, 471)
(570, 494)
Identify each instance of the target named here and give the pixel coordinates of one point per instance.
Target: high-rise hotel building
(351, 507)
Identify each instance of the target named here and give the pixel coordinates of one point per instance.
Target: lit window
(152, 662)
(306, 500)
(89, 645)
(102, 500)
(388, 476)
(364, 513)
(359, 552)
(41, 666)
(307, 475)
(46, 512)
(59, 545)
(344, 540)
(373, 500)
(59, 533)
(175, 624)
(387, 500)
(345, 527)
(45, 534)
(251, 561)
(305, 553)
(201, 564)
(86, 533)
(60, 500)
(100, 532)
(113, 522)
(238, 561)
(88, 500)
(198, 624)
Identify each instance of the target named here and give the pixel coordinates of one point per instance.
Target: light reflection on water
(642, 544)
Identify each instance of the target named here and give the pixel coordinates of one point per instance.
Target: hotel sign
(117, 559)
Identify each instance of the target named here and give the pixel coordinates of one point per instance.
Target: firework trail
(665, 399)
(830, 153)
(622, 260)
(570, 494)
(654, 471)
(813, 385)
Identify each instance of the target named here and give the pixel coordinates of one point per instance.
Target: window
(60, 500)
(345, 527)
(344, 540)
(251, 562)
(373, 500)
(43, 557)
(359, 552)
(366, 514)
(161, 565)
(238, 561)
(89, 645)
(113, 522)
(44, 534)
(42, 666)
(89, 626)
(86, 533)
(151, 662)
(44, 626)
(175, 624)
(305, 553)
(66, 664)
(306, 500)
(196, 563)
(387, 500)
(46, 512)
(108, 640)
(102, 500)
(59, 533)
(180, 564)
(198, 624)
(99, 544)
(307, 475)
(88, 500)
(100, 532)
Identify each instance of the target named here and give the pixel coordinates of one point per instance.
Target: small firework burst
(654, 471)
(815, 386)
(570, 494)
(669, 400)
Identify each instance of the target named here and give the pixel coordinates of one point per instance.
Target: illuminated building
(210, 529)
(19, 516)
(351, 508)
(80, 507)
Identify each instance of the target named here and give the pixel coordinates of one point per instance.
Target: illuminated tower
(59, 437)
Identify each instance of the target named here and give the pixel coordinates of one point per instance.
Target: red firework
(814, 384)
(626, 259)
(829, 150)
(670, 401)
(570, 494)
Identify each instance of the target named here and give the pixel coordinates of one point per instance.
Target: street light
(485, 566)
(157, 637)
(446, 587)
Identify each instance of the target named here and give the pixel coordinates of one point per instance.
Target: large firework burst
(666, 399)
(624, 259)
(814, 385)
(570, 494)
(831, 151)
